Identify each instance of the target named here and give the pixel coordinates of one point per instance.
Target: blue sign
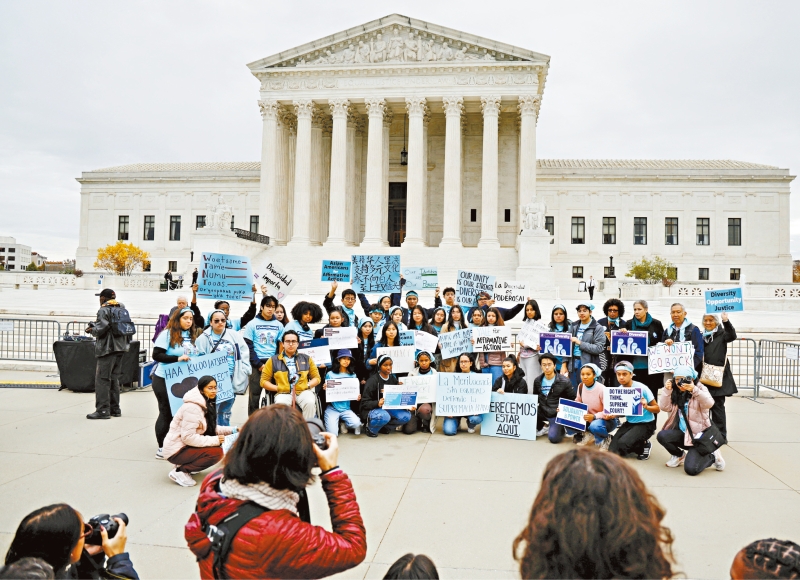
(225, 277)
(335, 271)
(570, 414)
(726, 300)
(375, 274)
(420, 278)
(512, 416)
(632, 343)
(555, 343)
(181, 377)
(407, 338)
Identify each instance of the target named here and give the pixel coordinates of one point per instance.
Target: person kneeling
(194, 441)
(424, 419)
(686, 400)
(342, 369)
(590, 393)
(550, 387)
(293, 376)
(373, 415)
(634, 435)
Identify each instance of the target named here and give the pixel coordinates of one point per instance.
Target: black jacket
(360, 359)
(655, 330)
(107, 343)
(716, 353)
(561, 389)
(517, 383)
(506, 313)
(372, 393)
(328, 305)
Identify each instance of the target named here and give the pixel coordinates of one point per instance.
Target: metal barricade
(144, 333)
(742, 356)
(28, 338)
(778, 367)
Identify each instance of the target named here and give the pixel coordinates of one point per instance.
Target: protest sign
(529, 332)
(181, 377)
(341, 337)
(399, 397)
(491, 338)
(459, 394)
(623, 402)
(570, 414)
(225, 277)
(318, 349)
(557, 343)
(791, 352)
(468, 284)
(425, 341)
(456, 342)
(335, 271)
(337, 390)
(631, 343)
(406, 338)
(375, 274)
(420, 278)
(726, 300)
(512, 416)
(425, 386)
(279, 283)
(229, 441)
(510, 293)
(402, 357)
(665, 359)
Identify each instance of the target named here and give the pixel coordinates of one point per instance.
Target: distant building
(14, 256)
(38, 259)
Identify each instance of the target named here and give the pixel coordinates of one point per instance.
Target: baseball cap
(107, 293)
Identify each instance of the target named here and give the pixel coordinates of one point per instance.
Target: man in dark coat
(550, 387)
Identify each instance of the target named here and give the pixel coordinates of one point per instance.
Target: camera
(316, 427)
(106, 521)
(684, 381)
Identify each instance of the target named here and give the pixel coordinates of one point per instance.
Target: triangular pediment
(398, 40)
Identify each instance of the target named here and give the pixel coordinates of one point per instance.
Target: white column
(426, 202)
(269, 147)
(316, 177)
(325, 198)
(355, 191)
(491, 112)
(376, 207)
(415, 201)
(388, 118)
(301, 218)
(288, 182)
(451, 224)
(339, 162)
(528, 108)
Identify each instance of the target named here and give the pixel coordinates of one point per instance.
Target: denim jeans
(224, 412)
(600, 428)
(451, 424)
(379, 418)
(332, 417)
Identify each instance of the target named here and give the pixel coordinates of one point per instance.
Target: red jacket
(277, 544)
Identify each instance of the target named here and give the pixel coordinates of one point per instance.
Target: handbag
(708, 441)
(711, 375)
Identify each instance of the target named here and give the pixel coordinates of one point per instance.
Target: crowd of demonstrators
(465, 364)
(614, 310)
(292, 376)
(549, 387)
(529, 353)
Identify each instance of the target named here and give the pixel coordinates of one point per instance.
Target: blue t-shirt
(186, 347)
(646, 416)
(301, 332)
(576, 351)
(291, 366)
(547, 384)
(340, 405)
(225, 345)
(265, 336)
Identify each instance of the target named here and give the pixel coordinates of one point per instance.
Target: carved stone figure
(533, 215)
(349, 54)
(461, 54)
(362, 54)
(378, 50)
(410, 48)
(395, 47)
(447, 52)
(219, 217)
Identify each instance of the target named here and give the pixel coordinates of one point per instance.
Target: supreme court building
(401, 136)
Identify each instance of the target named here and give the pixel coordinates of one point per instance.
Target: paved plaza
(461, 500)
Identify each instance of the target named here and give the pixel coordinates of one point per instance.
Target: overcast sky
(91, 84)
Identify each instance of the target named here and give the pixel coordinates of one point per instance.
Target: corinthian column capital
(375, 107)
(490, 105)
(268, 108)
(529, 104)
(303, 109)
(415, 106)
(339, 107)
(453, 106)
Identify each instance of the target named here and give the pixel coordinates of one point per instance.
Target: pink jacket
(698, 418)
(189, 424)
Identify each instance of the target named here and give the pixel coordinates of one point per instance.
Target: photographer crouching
(57, 534)
(264, 473)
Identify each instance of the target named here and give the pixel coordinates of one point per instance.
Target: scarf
(614, 320)
(351, 315)
(680, 330)
(636, 324)
(262, 494)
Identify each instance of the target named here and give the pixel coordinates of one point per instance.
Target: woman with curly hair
(304, 313)
(614, 310)
(594, 518)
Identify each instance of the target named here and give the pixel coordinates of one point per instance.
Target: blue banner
(407, 338)
(225, 277)
(556, 343)
(375, 274)
(181, 377)
(512, 416)
(570, 414)
(726, 300)
(335, 271)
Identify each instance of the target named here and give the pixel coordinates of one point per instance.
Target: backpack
(121, 323)
(161, 324)
(221, 536)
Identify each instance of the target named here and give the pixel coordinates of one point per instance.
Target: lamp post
(610, 268)
(404, 153)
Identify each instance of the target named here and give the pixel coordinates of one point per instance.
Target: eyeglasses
(613, 309)
(87, 531)
(289, 342)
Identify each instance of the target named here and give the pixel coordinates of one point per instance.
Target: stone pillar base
(533, 247)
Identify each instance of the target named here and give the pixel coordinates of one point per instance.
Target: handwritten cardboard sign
(402, 357)
(665, 359)
(510, 293)
(335, 271)
(623, 401)
(556, 343)
(456, 342)
(425, 341)
(181, 377)
(570, 414)
(529, 332)
(469, 284)
(318, 349)
(337, 390)
(632, 343)
(725, 300)
(421, 278)
(459, 394)
(278, 281)
(375, 274)
(225, 277)
(491, 338)
(512, 416)
(425, 386)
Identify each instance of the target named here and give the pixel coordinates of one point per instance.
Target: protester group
(568, 380)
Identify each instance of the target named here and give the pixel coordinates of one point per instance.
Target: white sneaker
(342, 429)
(470, 429)
(357, 431)
(586, 440)
(675, 461)
(604, 444)
(181, 478)
(160, 453)
(542, 432)
(719, 462)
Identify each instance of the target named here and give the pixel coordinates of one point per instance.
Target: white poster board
(491, 338)
(460, 394)
(278, 281)
(402, 357)
(337, 390)
(530, 331)
(425, 341)
(623, 402)
(507, 293)
(665, 359)
(342, 337)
